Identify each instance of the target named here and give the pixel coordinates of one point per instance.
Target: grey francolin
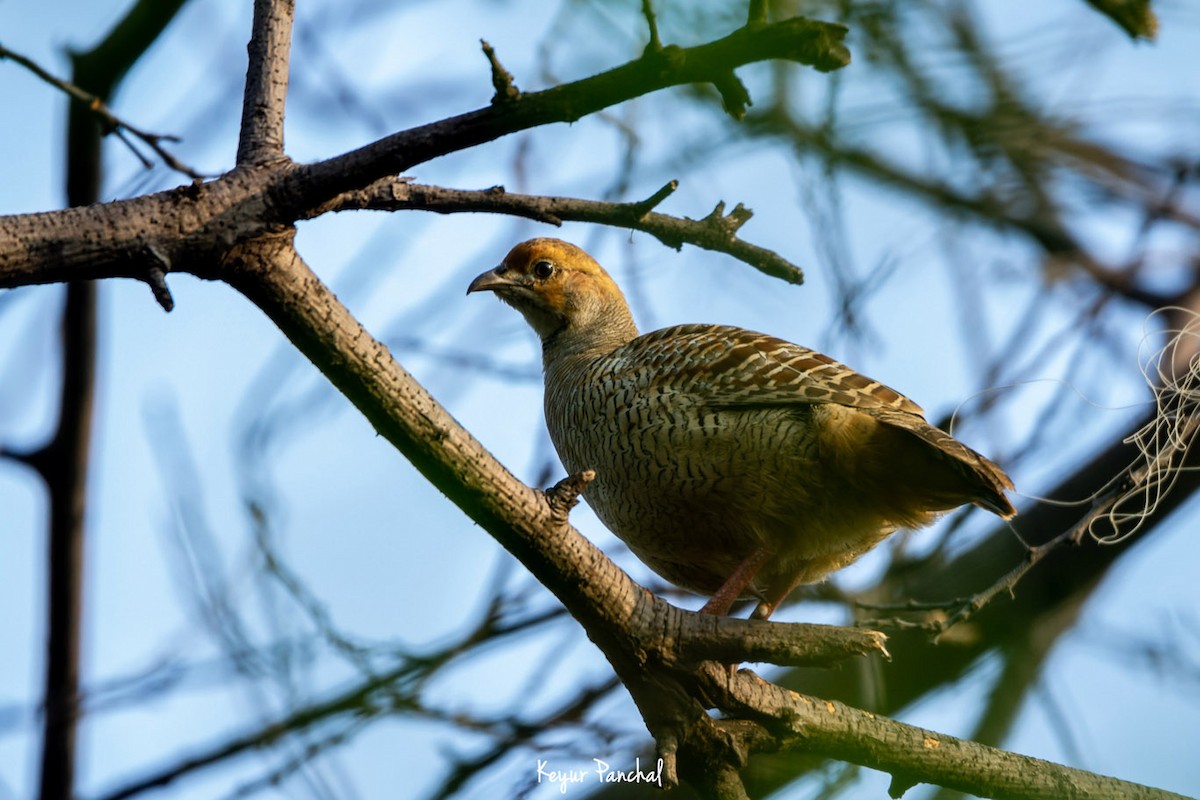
(732, 463)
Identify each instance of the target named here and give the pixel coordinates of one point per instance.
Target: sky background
(200, 409)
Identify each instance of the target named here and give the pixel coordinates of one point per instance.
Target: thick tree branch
(730, 640)
(915, 755)
(181, 230)
(261, 137)
(717, 232)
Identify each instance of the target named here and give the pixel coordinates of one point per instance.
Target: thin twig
(655, 44)
(111, 122)
(716, 232)
(502, 79)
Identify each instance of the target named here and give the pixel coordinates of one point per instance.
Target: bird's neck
(581, 341)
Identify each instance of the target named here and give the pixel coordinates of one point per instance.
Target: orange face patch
(562, 254)
(572, 266)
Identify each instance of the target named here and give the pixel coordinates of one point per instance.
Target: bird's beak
(489, 281)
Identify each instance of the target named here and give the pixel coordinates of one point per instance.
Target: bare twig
(832, 729)
(502, 79)
(717, 231)
(734, 96)
(655, 44)
(564, 495)
(110, 121)
(156, 278)
(377, 694)
(513, 733)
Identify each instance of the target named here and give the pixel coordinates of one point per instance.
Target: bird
(734, 464)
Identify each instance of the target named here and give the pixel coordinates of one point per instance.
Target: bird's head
(560, 290)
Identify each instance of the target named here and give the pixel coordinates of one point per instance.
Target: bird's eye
(543, 270)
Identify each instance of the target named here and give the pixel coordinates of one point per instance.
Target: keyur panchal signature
(602, 773)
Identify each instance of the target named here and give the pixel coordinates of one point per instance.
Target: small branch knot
(643, 207)
(155, 277)
(668, 748)
(758, 14)
(502, 79)
(728, 224)
(734, 96)
(738, 217)
(901, 783)
(564, 495)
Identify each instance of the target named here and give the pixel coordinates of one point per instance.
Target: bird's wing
(730, 367)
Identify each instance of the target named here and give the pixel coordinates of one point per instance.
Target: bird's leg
(720, 603)
(763, 610)
(775, 597)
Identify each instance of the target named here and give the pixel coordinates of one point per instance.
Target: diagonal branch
(530, 524)
(914, 755)
(261, 137)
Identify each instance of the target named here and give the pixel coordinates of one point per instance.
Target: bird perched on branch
(732, 463)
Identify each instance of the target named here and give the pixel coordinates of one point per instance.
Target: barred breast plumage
(731, 462)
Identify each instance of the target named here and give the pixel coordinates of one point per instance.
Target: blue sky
(390, 558)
